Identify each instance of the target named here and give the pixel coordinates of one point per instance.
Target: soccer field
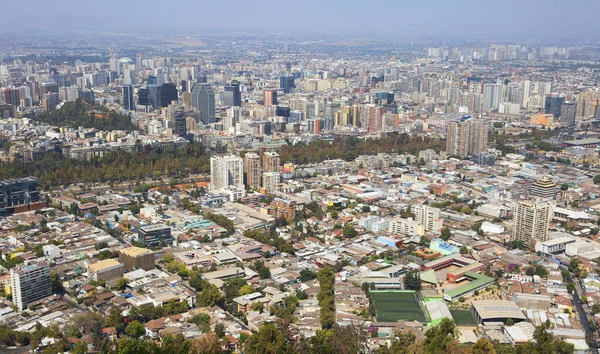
(391, 306)
(463, 318)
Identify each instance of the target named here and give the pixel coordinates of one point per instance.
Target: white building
(491, 228)
(271, 181)
(428, 217)
(227, 175)
(407, 227)
(30, 283)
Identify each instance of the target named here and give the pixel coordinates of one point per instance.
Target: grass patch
(463, 318)
(391, 306)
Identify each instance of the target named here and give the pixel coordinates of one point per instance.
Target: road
(583, 317)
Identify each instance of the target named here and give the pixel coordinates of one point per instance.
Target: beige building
(532, 218)
(466, 138)
(253, 170)
(106, 270)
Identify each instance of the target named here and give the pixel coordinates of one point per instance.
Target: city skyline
(469, 19)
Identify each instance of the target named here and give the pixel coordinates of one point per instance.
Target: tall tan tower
(532, 218)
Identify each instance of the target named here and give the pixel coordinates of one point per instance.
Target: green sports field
(391, 306)
(463, 318)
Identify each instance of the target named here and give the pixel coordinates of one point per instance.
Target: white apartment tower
(30, 283)
(428, 217)
(226, 172)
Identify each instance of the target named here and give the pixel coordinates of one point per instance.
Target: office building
(226, 172)
(544, 188)
(12, 96)
(19, 195)
(271, 161)
(253, 170)
(271, 182)
(134, 258)
(50, 101)
(286, 83)
(128, 103)
(428, 217)
(232, 95)
(106, 270)
(270, 97)
(466, 138)
(231, 119)
(30, 282)
(203, 100)
(568, 112)
(168, 94)
(531, 221)
(154, 235)
(553, 105)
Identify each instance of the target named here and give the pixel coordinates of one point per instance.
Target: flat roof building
(154, 235)
(137, 258)
(30, 283)
(106, 270)
(496, 311)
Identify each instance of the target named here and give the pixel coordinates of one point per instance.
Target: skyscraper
(271, 181)
(128, 103)
(492, 94)
(532, 218)
(226, 172)
(270, 97)
(30, 283)
(286, 83)
(568, 112)
(168, 94)
(203, 100)
(553, 105)
(253, 170)
(466, 138)
(232, 95)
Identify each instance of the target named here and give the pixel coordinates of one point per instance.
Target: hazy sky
(464, 18)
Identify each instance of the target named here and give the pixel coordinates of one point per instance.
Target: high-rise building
(12, 96)
(466, 138)
(253, 170)
(232, 118)
(168, 94)
(286, 83)
(128, 103)
(568, 112)
(532, 218)
(428, 217)
(203, 100)
(553, 105)
(544, 188)
(271, 161)
(30, 282)
(50, 101)
(492, 94)
(270, 97)
(226, 172)
(232, 95)
(271, 181)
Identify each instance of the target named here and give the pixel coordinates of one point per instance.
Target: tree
(464, 250)
(349, 231)
(366, 209)
(114, 318)
(307, 275)
(412, 281)
(597, 179)
(483, 346)
(595, 308)
(258, 306)
(121, 283)
(268, 340)
(220, 330)
(135, 329)
(445, 234)
(207, 344)
(245, 290)
(440, 338)
(349, 340)
(264, 272)
(564, 187)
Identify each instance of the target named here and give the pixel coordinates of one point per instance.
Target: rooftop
(135, 251)
(107, 263)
